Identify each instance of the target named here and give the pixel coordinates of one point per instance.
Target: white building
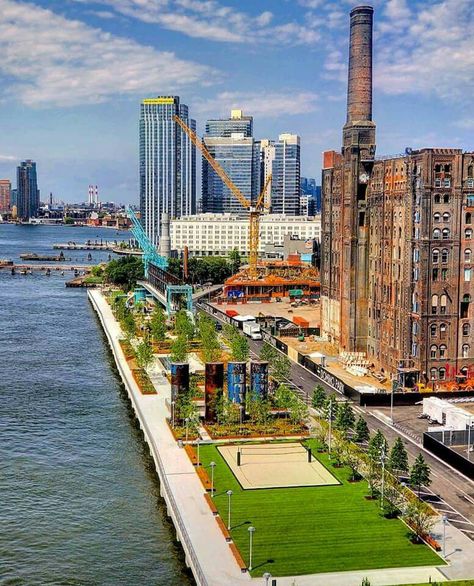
(219, 234)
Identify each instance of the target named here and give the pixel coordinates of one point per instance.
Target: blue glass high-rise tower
(28, 195)
(167, 163)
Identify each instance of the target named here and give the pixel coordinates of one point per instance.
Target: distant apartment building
(283, 158)
(238, 154)
(5, 195)
(28, 195)
(167, 163)
(219, 234)
(225, 127)
(310, 197)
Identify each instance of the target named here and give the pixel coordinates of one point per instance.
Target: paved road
(450, 493)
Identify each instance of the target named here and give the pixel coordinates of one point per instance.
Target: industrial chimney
(359, 90)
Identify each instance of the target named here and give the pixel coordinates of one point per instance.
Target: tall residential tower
(167, 163)
(5, 195)
(28, 195)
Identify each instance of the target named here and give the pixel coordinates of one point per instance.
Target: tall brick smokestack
(359, 90)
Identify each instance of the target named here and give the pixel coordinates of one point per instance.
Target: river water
(79, 498)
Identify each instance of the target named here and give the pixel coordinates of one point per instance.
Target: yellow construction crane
(255, 211)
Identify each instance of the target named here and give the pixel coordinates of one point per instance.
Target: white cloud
(56, 61)
(208, 19)
(262, 105)
(7, 158)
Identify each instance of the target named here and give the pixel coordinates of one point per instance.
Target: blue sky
(72, 73)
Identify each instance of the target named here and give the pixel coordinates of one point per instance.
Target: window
(434, 304)
(465, 350)
(435, 255)
(444, 274)
(445, 233)
(447, 182)
(433, 351)
(442, 373)
(433, 374)
(437, 198)
(468, 234)
(470, 171)
(433, 330)
(437, 182)
(437, 217)
(464, 311)
(442, 351)
(436, 234)
(468, 218)
(435, 274)
(466, 329)
(446, 198)
(444, 255)
(442, 330)
(443, 303)
(446, 217)
(467, 275)
(467, 255)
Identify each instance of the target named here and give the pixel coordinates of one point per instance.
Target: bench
(211, 504)
(238, 558)
(224, 529)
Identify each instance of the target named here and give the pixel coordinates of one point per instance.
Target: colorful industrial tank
(213, 387)
(259, 379)
(179, 379)
(236, 381)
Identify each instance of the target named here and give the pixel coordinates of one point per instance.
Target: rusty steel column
(359, 90)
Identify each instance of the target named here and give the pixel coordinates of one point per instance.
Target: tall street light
(445, 522)
(212, 465)
(251, 532)
(198, 442)
(173, 403)
(330, 427)
(267, 577)
(382, 459)
(229, 494)
(186, 420)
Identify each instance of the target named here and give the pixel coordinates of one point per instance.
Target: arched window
(437, 217)
(446, 217)
(465, 350)
(444, 255)
(435, 255)
(437, 198)
(466, 329)
(434, 304)
(446, 198)
(433, 351)
(442, 351)
(443, 303)
(468, 234)
(445, 233)
(433, 330)
(442, 373)
(465, 302)
(436, 234)
(433, 374)
(467, 255)
(442, 330)
(463, 370)
(468, 218)
(470, 171)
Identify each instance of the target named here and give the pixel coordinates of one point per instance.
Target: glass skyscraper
(27, 194)
(286, 175)
(167, 163)
(239, 155)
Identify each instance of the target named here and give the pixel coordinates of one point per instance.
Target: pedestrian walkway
(205, 545)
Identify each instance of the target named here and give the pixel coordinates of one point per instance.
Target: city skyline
(77, 117)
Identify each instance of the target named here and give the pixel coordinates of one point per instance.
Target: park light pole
(198, 442)
(251, 532)
(173, 403)
(330, 427)
(267, 577)
(229, 494)
(445, 522)
(391, 403)
(212, 465)
(186, 420)
(382, 459)
(469, 439)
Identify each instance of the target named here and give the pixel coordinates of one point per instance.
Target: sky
(73, 72)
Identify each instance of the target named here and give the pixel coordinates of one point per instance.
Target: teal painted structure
(149, 250)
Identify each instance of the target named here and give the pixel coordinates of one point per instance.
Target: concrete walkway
(205, 538)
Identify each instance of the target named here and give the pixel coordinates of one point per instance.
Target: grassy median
(313, 529)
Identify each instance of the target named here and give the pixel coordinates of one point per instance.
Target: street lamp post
(267, 577)
(391, 406)
(251, 532)
(469, 439)
(229, 494)
(330, 427)
(198, 444)
(445, 522)
(186, 420)
(382, 459)
(212, 465)
(173, 403)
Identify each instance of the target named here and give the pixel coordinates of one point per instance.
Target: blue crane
(149, 250)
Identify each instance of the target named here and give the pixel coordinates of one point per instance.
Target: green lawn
(455, 583)
(313, 529)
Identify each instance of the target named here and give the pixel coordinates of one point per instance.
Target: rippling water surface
(79, 500)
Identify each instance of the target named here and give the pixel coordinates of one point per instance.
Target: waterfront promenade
(206, 550)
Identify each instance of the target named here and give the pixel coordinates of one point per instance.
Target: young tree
(268, 353)
(319, 397)
(345, 418)
(144, 354)
(398, 459)
(129, 326)
(179, 350)
(377, 445)
(362, 431)
(298, 410)
(211, 349)
(420, 473)
(420, 517)
(330, 408)
(183, 325)
(158, 324)
(234, 260)
(365, 582)
(280, 368)
(283, 397)
(240, 349)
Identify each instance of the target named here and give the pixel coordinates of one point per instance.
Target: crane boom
(255, 211)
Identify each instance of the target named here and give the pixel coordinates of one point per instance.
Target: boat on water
(46, 257)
